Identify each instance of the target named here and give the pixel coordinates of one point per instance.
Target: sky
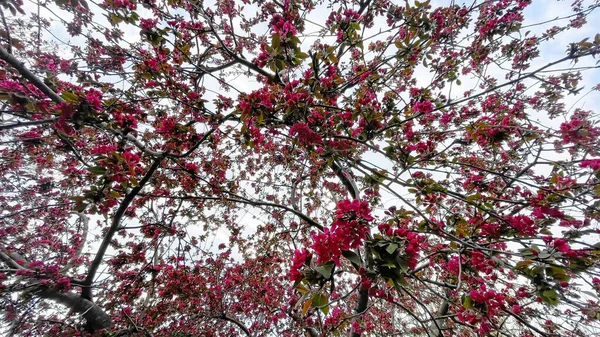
(540, 11)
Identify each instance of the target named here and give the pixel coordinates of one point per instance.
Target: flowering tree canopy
(298, 168)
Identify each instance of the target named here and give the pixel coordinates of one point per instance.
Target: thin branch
(241, 200)
(84, 232)
(33, 209)
(26, 124)
(236, 322)
(516, 80)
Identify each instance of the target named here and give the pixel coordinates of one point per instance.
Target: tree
(297, 168)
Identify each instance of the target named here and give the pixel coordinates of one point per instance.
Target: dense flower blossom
(594, 164)
(300, 258)
(127, 170)
(348, 231)
(305, 135)
(423, 107)
(281, 26)
(523, 224)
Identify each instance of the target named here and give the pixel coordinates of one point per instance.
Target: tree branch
(236, 322)
(241, 200)
(19, 124)
(361, 307)
(96, 318)
(9, 260)
(31, 77)
(344, 177)
(86, 292)
(516, 80)
(435, 328)
(84, 232)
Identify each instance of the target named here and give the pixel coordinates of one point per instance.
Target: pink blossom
(305, 135)
(423, 107)
(594, 164)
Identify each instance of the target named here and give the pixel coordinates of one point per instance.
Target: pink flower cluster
(423, 107)
(300, 258)
(413, 242)
(494, 303)
(348, 231)
(594, 164)
(523, 224)
(562, 246)
(281, 26)
(306, 136)
(579, 131)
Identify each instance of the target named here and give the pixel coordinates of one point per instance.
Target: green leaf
(522, 265)
(325, 270)
(557, 273)
(473, 197)
(80, 207)
(467, 302)
(319, 300)
(325, 309)
(97, 170)
(401, 281)
(549, 296)
(279, 65)
(391, 248)
(403, 264)
(134, 182)
(544, 255)
(301, 55)
(352, 256)
(275, 41)
(70, 97)
(301, 289)
(115, 19)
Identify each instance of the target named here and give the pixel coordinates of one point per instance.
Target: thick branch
(95, 317)
(87, 291)
(31, 77)
(435, 329)
(346, 180)
(9, 260)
